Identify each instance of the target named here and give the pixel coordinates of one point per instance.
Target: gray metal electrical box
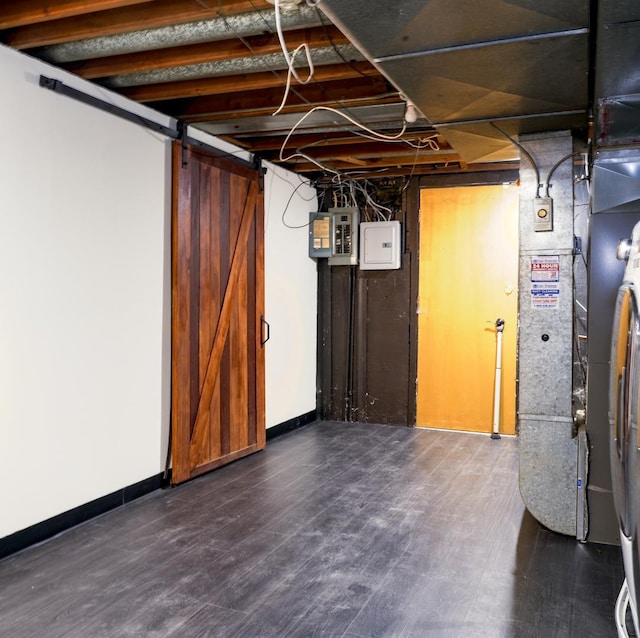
(344, 236)
(320, 235)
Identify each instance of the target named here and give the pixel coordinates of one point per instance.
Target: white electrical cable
(346, 193)
(422, 142)
(290, 59)
(379, 209)
(379, 136)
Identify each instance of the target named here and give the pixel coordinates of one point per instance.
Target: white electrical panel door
(380, 244)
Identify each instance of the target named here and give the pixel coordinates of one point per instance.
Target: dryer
(624, 410)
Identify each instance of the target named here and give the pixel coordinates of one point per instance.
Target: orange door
(218, 300)
(468, 279)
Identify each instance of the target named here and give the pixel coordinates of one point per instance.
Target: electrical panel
(542, 214)
(320, 235)
(380, 245)
(344, 236)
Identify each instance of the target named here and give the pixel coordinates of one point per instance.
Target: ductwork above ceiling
(617, 78)
(521, 64)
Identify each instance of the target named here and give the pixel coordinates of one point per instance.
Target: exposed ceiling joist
(218, 65)
(203, 52)
(308, 140)
(411, 160)
(17, 13)
(241, 104)
(127, 20)
(244, 82)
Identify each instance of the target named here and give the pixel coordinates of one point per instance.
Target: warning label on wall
(545, 278)
(545, 268)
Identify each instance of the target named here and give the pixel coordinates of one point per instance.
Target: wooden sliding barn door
(217, 410)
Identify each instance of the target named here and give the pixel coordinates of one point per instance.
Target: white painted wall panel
(85, 298)
(83, 281)
(291, 290)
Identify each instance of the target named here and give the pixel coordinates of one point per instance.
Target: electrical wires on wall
(346, 187)
(377, 199)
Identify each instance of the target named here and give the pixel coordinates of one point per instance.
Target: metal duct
(616, 182)
(523, 62)
(248, 64)
(233, 26)
(618, 48)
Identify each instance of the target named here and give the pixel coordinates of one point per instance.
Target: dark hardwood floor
(334, 530)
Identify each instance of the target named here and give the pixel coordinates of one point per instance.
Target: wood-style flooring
(334, 530)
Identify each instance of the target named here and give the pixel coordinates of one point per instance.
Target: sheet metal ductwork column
(548, 448)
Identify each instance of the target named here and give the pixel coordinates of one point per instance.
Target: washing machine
(624, 410)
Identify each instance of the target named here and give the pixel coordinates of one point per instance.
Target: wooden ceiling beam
(248, 103)
(369, 151)
(292, 107)
(319, 140)
(203, 52)
(243, 82)
(375, 151)
(383, 162)
(17, 13)
(421, 171)
(418, 171)
(159, 13)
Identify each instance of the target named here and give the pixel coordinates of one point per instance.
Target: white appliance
(624, 409)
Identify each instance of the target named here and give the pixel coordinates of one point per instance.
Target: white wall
(290, 297)
(85, 299)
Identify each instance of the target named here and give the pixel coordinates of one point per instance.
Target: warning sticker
(545, 278)
(545, 268)
(321, 232)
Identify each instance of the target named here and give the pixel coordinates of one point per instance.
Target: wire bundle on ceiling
(291, 58)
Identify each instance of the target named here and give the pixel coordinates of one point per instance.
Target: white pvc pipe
(496, 397)
(621, 611)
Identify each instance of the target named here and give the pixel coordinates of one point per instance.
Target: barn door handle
(265, 334)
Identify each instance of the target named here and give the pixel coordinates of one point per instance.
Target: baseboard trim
(292, 424)
(52, 526)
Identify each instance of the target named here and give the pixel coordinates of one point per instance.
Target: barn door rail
(174, 132)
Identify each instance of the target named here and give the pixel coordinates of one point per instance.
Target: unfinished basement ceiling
(521, 65)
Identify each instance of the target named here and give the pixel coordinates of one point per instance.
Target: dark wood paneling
(339, 342)
(323, 387)
(368, 337)
(411, 255)
(384, 318)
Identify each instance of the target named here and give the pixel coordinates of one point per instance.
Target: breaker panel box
(344, 236)
(380, 245)
(320, 235)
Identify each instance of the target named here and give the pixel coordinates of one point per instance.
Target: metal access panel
(344, 236)
(320, 235)
(380, 245)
